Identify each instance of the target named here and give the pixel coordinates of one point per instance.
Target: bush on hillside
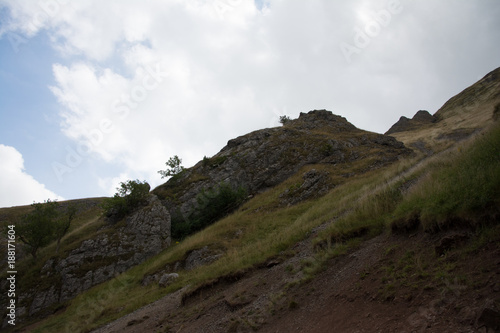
(213, 204)
(131, 194)
(45, 223)
(284, 120)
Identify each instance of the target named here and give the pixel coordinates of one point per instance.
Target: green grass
(458, 188)
(265, 232)
(461, 183)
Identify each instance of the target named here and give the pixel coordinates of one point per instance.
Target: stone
(200, 257)
(315, 183)
(43, 299)
(167, 279)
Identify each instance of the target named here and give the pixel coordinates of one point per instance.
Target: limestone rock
(44, 299)
(315, 184)
(111, 252)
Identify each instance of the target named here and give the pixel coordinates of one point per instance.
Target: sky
(94, 93)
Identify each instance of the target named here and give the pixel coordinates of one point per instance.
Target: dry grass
(474, 114)
(360, 205)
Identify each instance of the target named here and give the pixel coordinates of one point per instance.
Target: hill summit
(265, 158)
(420, 119)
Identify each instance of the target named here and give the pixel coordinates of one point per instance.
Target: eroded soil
(390, 283)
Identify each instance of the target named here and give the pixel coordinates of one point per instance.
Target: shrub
(131, 194)
(284, 120)
(213, 204)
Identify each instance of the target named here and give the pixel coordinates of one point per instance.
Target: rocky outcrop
(315, 183)
(404, 124)
(194, 259)
(201, 257)
(112, 251)
(167, 279)
(265, 158)
(463, 115)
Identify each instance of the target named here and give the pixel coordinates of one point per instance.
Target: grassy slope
(366, 205)
(467, 111)
(86, 223)
(261, 229)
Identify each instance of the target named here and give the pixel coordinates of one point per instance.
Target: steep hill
(461, 116)
(265, 158)
(340, 230)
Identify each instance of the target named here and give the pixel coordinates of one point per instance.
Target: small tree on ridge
(175, 167)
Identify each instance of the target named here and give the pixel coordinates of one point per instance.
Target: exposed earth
(391, 283)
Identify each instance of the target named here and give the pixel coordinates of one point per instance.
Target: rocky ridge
(477, 95)
(461, 116)
(265, 158)
(421, 118)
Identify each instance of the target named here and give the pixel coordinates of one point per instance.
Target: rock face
(114, 250)
(421, 118)
(264, 158)
(314, 184)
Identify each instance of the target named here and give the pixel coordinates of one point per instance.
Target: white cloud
(18, 187)
(109, 185)
(229, 68)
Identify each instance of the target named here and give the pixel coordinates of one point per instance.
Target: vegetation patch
(130, 195)
(213, 162)
(212, 205)
(458, 189)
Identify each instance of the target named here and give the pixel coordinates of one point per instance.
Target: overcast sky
(97, 92)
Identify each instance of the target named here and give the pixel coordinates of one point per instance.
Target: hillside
(341, 230)
(461, 116)
(325, 148)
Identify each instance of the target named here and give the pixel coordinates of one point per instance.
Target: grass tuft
(458, 188)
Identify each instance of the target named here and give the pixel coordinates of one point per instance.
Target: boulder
(167, 279)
